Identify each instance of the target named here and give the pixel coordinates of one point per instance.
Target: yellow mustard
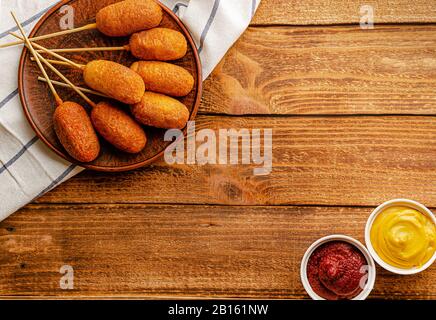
(403, 237)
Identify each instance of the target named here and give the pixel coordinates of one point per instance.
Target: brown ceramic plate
(39, 104)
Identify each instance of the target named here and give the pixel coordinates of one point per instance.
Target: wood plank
(178, 251)
(311, 12)
(327, 70)
(316, 160)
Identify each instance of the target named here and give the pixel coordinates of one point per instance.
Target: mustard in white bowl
(401, 236)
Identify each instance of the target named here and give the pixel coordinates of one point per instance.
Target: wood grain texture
(178, 251)
(327, 70)
(316, 160)
(316, 12)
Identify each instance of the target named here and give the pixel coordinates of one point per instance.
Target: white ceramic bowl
(338, 237)
(404, 203)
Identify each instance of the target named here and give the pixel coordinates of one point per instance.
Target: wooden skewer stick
(65, 61)
(80, 93)
(59, 63)
(52, 35)
(66, 85)
(73, 64)
(123, 48)
(29, 45)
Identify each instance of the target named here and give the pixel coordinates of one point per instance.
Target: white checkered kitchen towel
(28, 169)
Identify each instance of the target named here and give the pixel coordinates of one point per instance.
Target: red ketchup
(337, 270)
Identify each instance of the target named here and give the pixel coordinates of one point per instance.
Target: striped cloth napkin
(28, 169)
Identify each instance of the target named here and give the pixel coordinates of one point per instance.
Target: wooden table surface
(353, 114)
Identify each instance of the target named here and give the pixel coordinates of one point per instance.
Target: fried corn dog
(75, 132)
(155, 44)
(120, 19)
(114, 80)
(129, 16)
(166, 78)
(158, 44)
(118, 128)
(160, 111)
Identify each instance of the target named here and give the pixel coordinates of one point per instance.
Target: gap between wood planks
(139, 204)
(332, 25)
(314, 115)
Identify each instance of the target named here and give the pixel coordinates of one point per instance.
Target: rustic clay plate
(39, 105)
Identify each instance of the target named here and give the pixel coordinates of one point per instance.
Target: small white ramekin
(403, 203)
(338, 237)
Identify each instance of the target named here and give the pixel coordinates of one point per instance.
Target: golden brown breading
(127, 17)
(164, 78)
(118, 128)
(75, 132)
(158, 44)
(160, 111)
(114, 80)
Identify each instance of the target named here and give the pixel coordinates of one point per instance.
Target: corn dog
(160, 111)
(129, 16)
(118, 128)
(120, 19)
(166, 78)
(75, 132)
(114, 80)
(158, 44)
